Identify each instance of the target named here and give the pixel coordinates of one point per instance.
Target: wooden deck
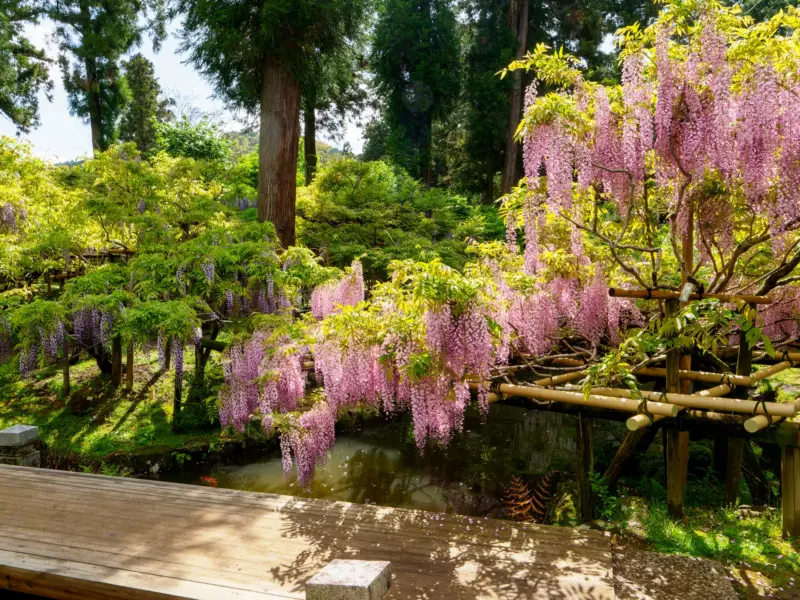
(75, 536)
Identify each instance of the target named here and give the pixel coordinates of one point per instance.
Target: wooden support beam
(677, 441)
(677, 457)
(634, 444)
(665, 295)
(733, 470)
(790, 491)
(584, 467)
(733, 467)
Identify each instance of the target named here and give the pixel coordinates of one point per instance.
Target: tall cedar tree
(333, 89)
(145, 108)
(93, 36)
(257, 53)
(23, 67)
(415, 59)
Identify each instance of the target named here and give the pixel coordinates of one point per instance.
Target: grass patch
(97, 420)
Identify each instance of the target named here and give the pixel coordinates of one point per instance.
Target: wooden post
(677, 463)
(735, 454)
(116, 361)
(65, 368)
(676, 447)
(584, 467)
(635, 443)
(129, 368)
(790, 490)
(733, 470)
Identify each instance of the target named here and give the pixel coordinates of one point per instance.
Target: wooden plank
(100, 537)
(175, 519)
(184, 496)
(73, 580)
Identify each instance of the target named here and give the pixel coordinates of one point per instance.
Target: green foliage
(370, 210)
(145, 108)
(607, 505)
(23, 67)
(183, 138)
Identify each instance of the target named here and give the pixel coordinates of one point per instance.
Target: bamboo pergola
(725, 404)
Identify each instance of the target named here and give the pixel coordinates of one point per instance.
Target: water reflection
(381, 464)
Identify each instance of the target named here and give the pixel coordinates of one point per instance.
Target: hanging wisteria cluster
(11, 217)
(260, 380)
(348, 291)
(92, 326)
(680, 119)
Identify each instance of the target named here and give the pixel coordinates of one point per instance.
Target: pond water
(380, 464)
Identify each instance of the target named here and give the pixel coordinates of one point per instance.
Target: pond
(380, 464)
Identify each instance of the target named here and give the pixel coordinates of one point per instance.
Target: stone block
(18, 435)
(24, 456)
(350, 580)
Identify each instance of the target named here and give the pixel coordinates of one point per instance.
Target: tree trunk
(310, 137)
(277, 149)
(65, 368)
(176, 403)
(95, 105)
(519, 24)
(99, 354)
(426, 152)
(167, 355)
(116, 361)
(488, 194)
(129, 368)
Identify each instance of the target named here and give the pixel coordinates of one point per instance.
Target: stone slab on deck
(73, 535)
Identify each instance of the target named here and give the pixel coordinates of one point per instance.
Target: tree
(145, 108)
(257, 54)
(415, 59)
(23, 67)
(93, 36)
(199, 141)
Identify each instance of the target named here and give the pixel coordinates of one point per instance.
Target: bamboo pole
(665, 295)
(715, 392)
(759, 422)
(641, 421)
(697, 376)
(598, 401)
(704, 402)
(770, 371)
(557, 379)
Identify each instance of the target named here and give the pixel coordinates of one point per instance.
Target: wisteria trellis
(705, 127)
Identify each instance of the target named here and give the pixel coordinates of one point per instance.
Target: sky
(63, 137)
